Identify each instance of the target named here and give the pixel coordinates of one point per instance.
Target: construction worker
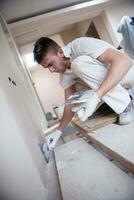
(101, 66)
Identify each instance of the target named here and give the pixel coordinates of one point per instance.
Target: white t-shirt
(81, 46)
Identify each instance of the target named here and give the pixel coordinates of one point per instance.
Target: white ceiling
(15, 10)
(26, 29)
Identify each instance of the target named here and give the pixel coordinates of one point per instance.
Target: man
(103, 68)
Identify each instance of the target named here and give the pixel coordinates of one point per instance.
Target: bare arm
(68, 114)
(120, 64)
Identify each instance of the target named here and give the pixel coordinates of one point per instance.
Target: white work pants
(93, 72)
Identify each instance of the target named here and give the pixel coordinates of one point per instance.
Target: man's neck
(68, 63)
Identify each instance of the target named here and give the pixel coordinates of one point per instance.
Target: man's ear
(60, 52)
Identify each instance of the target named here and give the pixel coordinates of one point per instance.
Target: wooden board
(95, 123)
(118, 142)
(85, 174)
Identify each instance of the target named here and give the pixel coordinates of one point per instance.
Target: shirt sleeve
(93, 47)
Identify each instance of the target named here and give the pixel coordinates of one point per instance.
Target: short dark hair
(42, 46)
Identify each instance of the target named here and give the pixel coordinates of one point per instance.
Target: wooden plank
(85, 174)
(94, 123)
(51, 129)
(118, 142)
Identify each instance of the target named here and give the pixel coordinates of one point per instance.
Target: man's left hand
(53, 138)
(85, 110)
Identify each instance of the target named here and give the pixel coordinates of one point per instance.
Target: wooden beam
(95, 123)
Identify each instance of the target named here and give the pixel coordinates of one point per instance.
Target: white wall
(69, 35)
(102, 29)
(20, 128)
(19, 177)
(48, 88)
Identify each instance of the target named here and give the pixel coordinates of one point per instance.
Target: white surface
(118, 138)
(18, 9)
(86, 174)
(22, 168)
(19, 176)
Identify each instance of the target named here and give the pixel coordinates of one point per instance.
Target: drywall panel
(19, 177)
(84, 173)
(118, 142)
(15, 88)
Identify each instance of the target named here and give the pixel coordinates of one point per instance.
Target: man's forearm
(68, 114)
(117, 71)
(67, 117)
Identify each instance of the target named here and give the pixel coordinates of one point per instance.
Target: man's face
(55, 61)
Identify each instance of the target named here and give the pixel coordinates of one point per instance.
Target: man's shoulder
(81, 39)
(88, 42)
(85, 39)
